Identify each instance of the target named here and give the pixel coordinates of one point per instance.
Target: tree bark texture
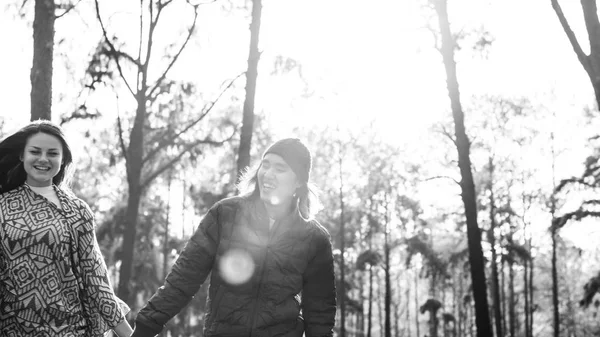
(43, 55)
(492, 238)
(134, 173)
(511, 299)
(476, 260)
(555, 309)
(388, 287)
(251, 77)
(342, 250)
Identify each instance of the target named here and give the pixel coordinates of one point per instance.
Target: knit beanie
(295, 154)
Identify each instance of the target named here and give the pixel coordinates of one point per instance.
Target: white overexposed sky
(366, 61)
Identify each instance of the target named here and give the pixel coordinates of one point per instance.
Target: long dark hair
(306, 198)
(12, 172)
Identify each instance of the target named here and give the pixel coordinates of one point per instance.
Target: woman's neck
(278, 211)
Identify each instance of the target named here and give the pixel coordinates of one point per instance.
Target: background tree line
(458, 235)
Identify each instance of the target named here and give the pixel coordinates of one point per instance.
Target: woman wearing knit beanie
(270, 263)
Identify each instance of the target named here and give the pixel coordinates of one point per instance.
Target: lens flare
(236, 267)
(275, 200)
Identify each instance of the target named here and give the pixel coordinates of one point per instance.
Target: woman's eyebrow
(39, 148)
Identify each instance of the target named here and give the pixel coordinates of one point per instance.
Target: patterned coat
(290, 291)
(53, 279)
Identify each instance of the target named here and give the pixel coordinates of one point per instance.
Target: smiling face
(276, 181)
(42, 158)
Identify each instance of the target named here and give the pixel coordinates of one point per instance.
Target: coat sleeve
(318, 292)
(187, 275)
(103, 309)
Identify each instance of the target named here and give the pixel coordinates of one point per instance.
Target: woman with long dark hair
(270, 262)
(53, 279)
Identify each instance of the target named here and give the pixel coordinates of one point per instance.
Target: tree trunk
(43, 54)
(511, 299)
(397, 308)
(553, 233)
(476, 260)
(492, 238)
(408, 330)
(342, 250)
(134, 172)
(251, 77)
(433, 323)
(531, 303)
(591, 62)
(417, 303)
(167, 225)
(503, 292)
(461, 305)
(380, 305)
(388, 286)
(360, 324)
(555, 311)
(370, 312)
(526, 296)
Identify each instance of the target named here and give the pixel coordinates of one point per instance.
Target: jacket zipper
(262, 276)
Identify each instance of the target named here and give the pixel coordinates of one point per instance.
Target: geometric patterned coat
(53, 278)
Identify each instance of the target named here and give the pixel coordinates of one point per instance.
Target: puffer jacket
(292, 288)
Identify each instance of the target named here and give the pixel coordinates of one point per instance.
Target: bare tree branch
(570, 181)
(200, 3)
(593, 202)
(578, 215)
(207, 108)
(68, 8)
(448, 134)
(176, 56)
(442, 177)
(80, 113)
(141, 37)
(164, 4)
(153, 24)
(113, 49)
(590, 16)
(22, 6)
(583, 58)
(185, 150)
(120, 130)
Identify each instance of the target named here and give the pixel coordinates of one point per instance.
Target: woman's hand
(123, 329)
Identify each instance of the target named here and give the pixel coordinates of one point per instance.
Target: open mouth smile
(42, 168)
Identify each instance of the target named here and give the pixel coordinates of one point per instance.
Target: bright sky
(366, 62)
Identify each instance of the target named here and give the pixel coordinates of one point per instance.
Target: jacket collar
(259, 212)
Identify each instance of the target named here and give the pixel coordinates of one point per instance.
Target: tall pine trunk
(251, 77)
(388, 286)
(503, 292)
(167, 225)
(397, 306)
(553, 233)
(511, 299)
(526, 311)
(476, 260)
(530, 286)
(417, 304)
(342, 249)
(370, 311)
(492, 238)
(555, 309)
(43, 55)
(380, 303)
